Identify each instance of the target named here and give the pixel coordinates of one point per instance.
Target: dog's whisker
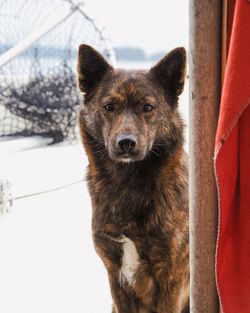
(99, 151)
(155, 152)
(160, 145)
(93, 141)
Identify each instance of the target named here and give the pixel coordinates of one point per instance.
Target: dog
(138, 179)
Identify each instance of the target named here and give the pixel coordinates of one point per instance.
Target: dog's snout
(126, 142)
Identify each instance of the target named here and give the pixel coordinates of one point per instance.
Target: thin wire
(49, 191)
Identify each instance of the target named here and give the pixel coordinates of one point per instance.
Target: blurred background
(47, 260)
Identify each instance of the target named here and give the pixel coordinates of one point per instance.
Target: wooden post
(205, 88)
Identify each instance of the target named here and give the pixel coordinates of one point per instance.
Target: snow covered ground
(47, 260)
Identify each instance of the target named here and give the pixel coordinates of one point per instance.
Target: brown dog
(133, 136)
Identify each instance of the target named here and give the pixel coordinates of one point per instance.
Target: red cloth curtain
(232, 169)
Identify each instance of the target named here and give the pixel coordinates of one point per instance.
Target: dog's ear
(91, 68)
(170, 72)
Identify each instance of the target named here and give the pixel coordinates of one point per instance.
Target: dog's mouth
(127, 157)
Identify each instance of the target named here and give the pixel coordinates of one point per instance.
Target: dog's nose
(126, 142)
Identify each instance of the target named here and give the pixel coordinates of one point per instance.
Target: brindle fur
(145, 200)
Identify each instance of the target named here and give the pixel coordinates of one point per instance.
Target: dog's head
(133, 113)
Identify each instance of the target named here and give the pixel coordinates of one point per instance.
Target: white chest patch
(130, 261)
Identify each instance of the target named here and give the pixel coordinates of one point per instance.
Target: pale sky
(158, 25)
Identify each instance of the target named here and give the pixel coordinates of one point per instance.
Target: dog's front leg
(123, 299)
(164, 302)
(167, 292)
(109, 248)
(169, 297)
(169, 300)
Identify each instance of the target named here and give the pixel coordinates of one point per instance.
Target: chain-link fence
(38, 53)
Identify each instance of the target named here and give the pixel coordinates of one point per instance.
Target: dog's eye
(109, 107)
(147, 107)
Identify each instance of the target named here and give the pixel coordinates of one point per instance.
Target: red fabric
(232, 167)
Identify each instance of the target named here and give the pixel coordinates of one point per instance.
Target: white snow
(47, 260)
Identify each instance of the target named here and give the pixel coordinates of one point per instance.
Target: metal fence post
(205, 88)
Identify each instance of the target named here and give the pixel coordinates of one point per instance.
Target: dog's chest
(130, 260)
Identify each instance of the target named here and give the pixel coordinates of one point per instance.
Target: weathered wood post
(205, 88)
